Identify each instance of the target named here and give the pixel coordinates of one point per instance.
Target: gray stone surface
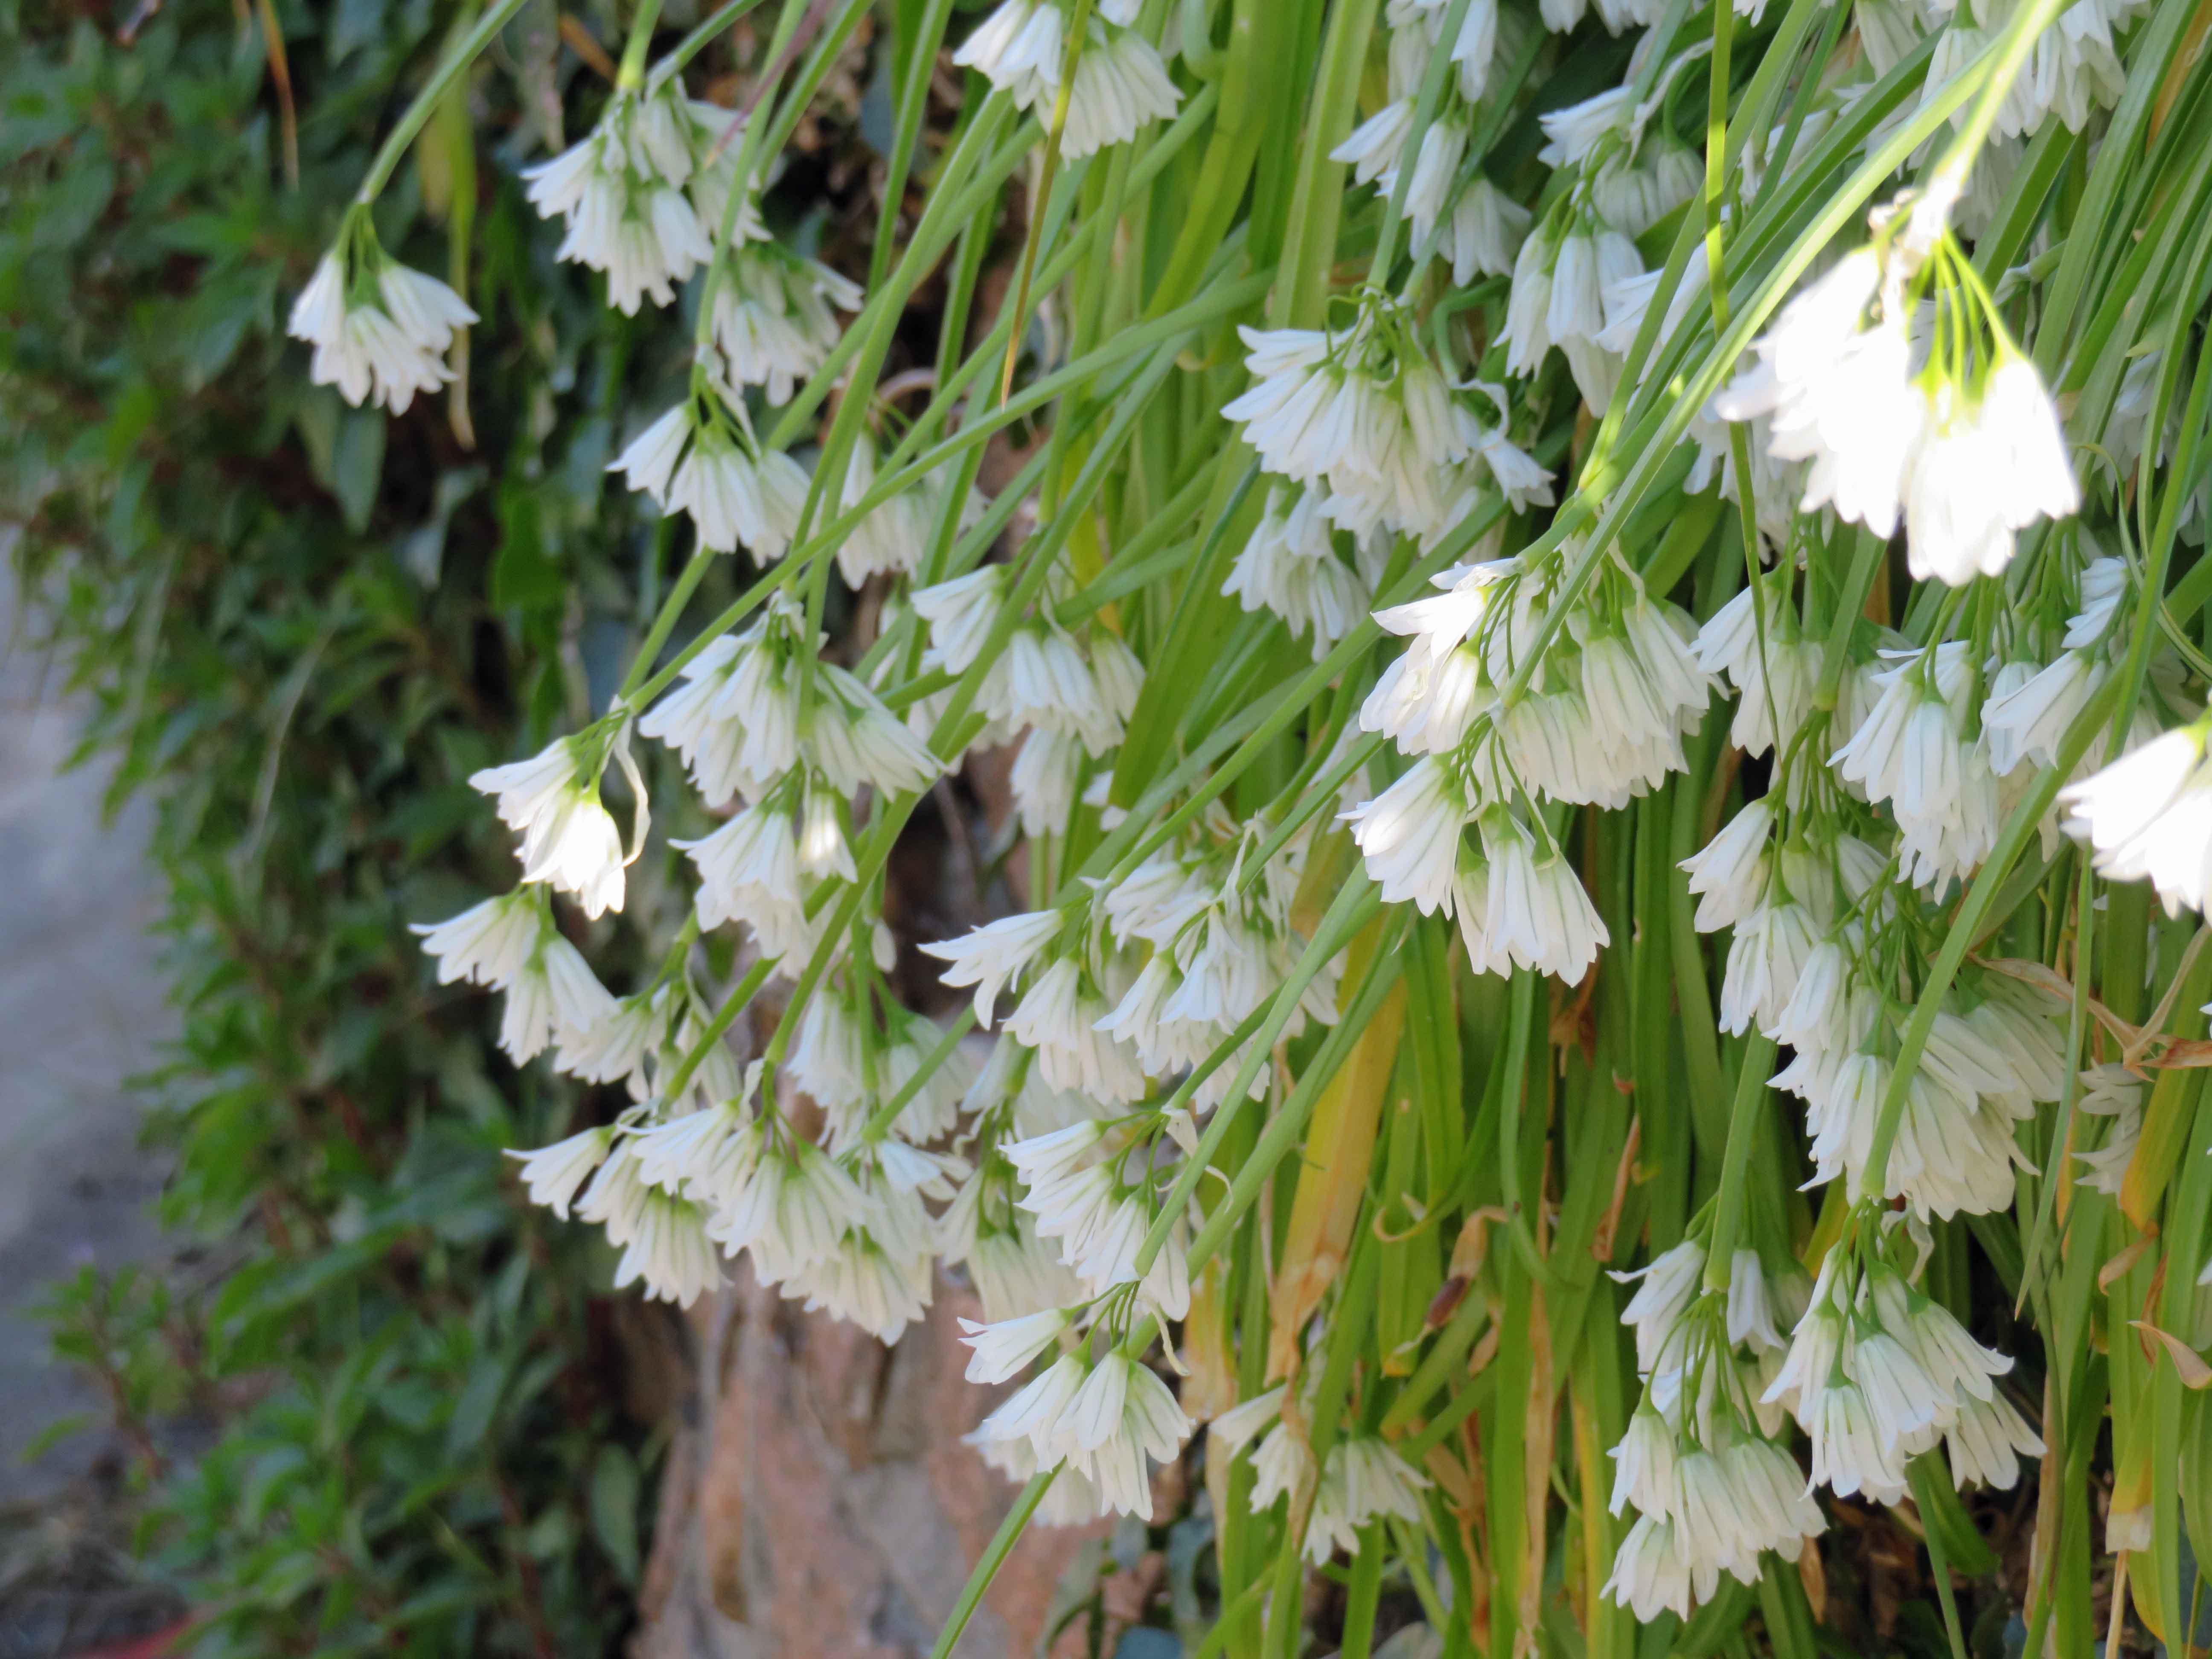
(81, 1012)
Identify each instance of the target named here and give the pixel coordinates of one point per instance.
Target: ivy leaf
(614, 1509)
(357, 465)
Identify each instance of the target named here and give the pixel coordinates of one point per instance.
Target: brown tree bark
(816, 1502)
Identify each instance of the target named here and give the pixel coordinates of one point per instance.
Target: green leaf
(525, 574)
(615, 1488)
(357, 465)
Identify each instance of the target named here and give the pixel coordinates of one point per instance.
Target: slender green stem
(994, 1557)
(631, 75)
(1735, 1162)
(697, 41)
(425, 104)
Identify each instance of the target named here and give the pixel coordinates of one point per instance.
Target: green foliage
(301, 627)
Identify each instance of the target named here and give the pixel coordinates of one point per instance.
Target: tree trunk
(816, 1502)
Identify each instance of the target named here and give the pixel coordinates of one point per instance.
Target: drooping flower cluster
(643, 195)
(1700, 1463)
(378, 328)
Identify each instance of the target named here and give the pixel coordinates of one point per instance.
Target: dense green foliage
(301, 627)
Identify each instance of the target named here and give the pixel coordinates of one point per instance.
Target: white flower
(2028, 722)
(1769, 951)
(488, 944)
(1645, 1466)
(1901, 1398)
(1120, 83)
(1290, 566)
(383, 331)
(1472, 52)
(1837, 394)
(1535, 910)
(881, 1284)
(638, 206)
(699, 459)
(1986, 1441)
(706, 1155)
(554, 1173)
(2112, 1091)
(1428, 192)
(569, 840)
(1070, 1501)
(1572, 130)
(791, 1211)
(1729, 875)
(990, 955)
(616, 1049)
(1059, 1017)
(1116, 1424)
(553, 998)
(2148, 815)
(669, 1252)
(737, 718)
(1004, 1348)
(1014, 1272)
(749, 871)
(1410, 836)
(858, 742)
(1376, 146)
(1487, 229)
(1983, 471)
(1750, 1313)
(1104, 1420)
(1650, 1575)
(1527, 306)
(774, 321)
(1849, 1454)
(1669, 1285)
(1775, 675)
(1363, 1477)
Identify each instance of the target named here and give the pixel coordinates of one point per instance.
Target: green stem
(631, 75)
(1967, 926)
(426, 101)
(994, 1557)
(1735, 1162)
(1439, 69)
(696, 42)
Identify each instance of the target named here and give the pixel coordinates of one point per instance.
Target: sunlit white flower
(1410, 834)
(1984, 469)
(2149, 816)
(569, 840)
(1837, 394)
